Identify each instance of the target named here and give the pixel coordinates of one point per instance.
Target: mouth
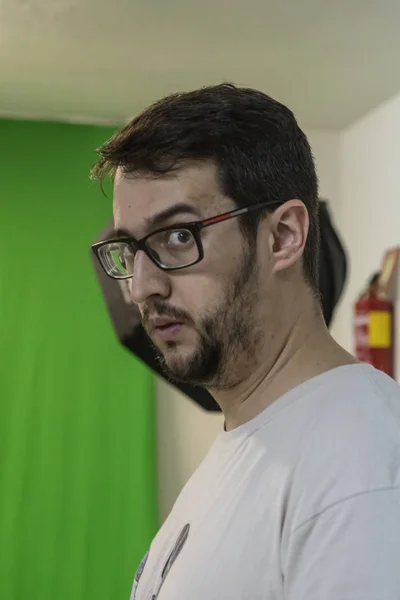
(165, 329)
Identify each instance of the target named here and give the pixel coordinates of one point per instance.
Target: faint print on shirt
(138, 575)
(180, 542)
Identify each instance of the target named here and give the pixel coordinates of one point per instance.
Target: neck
(307, 350)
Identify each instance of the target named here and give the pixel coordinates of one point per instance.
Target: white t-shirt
(301, 503)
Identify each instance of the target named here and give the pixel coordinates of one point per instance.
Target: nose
(147, 280)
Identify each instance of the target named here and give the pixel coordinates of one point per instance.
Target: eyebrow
(159, 218)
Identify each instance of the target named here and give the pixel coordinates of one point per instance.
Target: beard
(227, 335)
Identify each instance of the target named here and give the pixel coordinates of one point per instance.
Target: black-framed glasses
(170, 248)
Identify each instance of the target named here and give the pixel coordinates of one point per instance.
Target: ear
(289, 228)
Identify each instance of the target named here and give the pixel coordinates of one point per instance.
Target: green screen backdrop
(78, 501)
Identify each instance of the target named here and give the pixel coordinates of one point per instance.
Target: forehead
(138, 198)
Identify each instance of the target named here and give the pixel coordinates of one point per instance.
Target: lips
(165, 329)
(163, 323)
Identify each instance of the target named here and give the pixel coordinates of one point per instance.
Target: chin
(177, 360)
(190, 367)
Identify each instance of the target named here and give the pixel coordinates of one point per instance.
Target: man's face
(203, 319)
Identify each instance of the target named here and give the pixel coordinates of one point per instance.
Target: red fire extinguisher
(373, 328)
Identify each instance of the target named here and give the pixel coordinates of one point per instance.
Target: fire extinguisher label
(379, 330)
(359, 320)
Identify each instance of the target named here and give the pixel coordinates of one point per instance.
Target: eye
(179, 237)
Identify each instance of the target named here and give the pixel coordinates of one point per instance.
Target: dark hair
(258, 148)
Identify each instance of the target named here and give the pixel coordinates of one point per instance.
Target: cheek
(198, 294)
(202, 288)
(223, 259)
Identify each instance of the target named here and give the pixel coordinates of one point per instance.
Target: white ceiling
(104, 60)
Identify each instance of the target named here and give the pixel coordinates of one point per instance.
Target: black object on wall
(332, 264)
(126, 318)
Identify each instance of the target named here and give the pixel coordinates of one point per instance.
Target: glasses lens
(173, 248)
(117, 259)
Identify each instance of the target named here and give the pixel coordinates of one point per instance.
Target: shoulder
(351, 444)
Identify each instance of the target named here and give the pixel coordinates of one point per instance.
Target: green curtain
(78, 502)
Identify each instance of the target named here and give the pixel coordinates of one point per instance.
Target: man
(215, 203)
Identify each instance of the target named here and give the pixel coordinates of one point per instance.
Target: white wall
(185, 432)
(326, 150)
(368, 214)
